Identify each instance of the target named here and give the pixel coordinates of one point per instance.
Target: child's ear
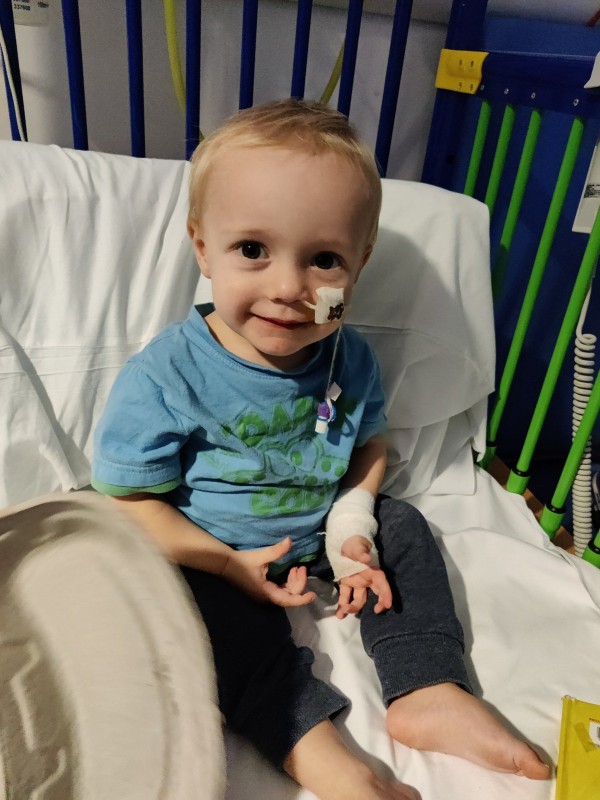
(199, 247)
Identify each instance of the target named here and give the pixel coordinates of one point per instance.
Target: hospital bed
(94, 260)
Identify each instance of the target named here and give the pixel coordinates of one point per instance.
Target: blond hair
(295, 124)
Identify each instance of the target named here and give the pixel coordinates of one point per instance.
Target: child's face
(276, 225)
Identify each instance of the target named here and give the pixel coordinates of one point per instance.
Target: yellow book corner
(578, 769)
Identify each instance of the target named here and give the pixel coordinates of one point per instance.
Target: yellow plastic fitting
(460, 70)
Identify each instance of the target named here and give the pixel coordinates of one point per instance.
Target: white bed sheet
(531, 616)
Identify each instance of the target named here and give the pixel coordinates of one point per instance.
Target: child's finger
(384, 594)
(275, 551)
(359, 598)
(345, 595)
(357, 551)
(296, 580)
(381, 606)
(281, 597)
(343, 601)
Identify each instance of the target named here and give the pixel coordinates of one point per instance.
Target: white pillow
(424, 303)
(95, 260)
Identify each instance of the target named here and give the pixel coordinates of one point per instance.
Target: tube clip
(326, 412)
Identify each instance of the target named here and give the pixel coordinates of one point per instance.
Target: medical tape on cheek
(329, 306)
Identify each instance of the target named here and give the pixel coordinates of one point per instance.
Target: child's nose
(289, 282)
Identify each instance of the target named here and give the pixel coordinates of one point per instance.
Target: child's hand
(353, 589)
(358, 548)
(247, 569)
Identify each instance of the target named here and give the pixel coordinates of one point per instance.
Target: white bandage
(350, 515)
(329, 306)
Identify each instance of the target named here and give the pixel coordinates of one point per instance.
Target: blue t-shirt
(232, 444)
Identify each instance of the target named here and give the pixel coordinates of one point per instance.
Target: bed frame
(482, 94)
(490, 116)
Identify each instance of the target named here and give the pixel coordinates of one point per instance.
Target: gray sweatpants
(267, 691)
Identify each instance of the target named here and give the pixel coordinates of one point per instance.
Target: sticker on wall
(31, 12)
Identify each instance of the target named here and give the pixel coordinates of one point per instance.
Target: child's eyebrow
(334, 245)
(245, 233)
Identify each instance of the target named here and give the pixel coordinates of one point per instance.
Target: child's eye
(326, 260)
(253, 250)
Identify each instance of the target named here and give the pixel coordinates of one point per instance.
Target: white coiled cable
(585, 347)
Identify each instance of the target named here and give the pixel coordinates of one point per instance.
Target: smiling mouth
(283, 324)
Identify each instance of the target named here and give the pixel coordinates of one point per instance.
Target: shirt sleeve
(138, 439)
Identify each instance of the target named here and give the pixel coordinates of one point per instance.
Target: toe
(528, 763)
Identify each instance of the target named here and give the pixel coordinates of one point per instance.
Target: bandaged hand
(349, 544)
(351, 516)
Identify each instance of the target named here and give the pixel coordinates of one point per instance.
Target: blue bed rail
(133, 10)
(75, 70)
(135, 53)
(350, 50)
(249, 26)
(7, 26)
(391, 87)
(300, 61)
(193, 33)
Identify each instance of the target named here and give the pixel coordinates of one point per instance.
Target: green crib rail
(506, 129)
(591, 553)
(539, 265)
(481, 132)
(519, 476)
(539, 83)
(553, 513)
(516, 200)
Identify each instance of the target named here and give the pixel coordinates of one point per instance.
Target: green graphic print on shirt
(297, 472)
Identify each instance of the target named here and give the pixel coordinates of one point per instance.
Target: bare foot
(321, 762)
(376, 789)
(363, 784)
(446, 719)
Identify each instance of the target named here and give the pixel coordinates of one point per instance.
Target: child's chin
(283, 358)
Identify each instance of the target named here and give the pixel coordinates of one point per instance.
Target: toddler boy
(228, 438)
